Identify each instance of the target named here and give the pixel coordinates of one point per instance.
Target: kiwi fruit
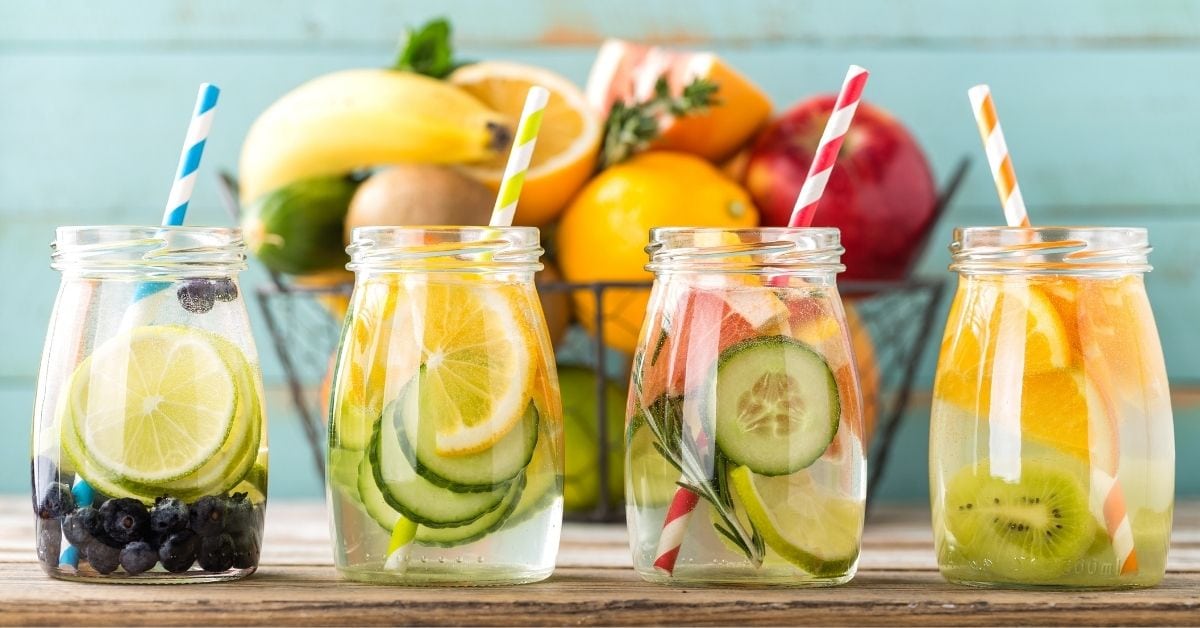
(1031, 530)
(419, 195)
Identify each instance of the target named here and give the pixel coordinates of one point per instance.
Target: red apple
(880, 194)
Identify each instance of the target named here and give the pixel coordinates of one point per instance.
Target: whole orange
(603, 233)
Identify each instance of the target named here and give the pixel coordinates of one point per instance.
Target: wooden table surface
(897, 583)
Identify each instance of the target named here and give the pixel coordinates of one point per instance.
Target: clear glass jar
(1052, 454)
(149, 440)
(446, 454)
(744, 388)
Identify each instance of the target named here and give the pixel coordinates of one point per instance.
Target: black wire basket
(899, 317)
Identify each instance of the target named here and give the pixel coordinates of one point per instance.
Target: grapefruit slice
(627, 72)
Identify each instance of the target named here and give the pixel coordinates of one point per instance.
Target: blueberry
(216, 553)
(42, 472)
(168, 515)
(82, 525)
(178, 551)
(197, 295)
(137, 557)
(246, 548)
(208, 515)
(56, 501)
(225, 290)
(49, 542)
(103, 558)
(125, 520)
(239, 515)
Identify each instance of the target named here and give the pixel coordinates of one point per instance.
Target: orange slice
(567, 144)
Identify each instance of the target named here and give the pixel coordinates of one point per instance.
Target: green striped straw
(519, 156)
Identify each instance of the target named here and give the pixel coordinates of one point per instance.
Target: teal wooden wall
(1099, 99)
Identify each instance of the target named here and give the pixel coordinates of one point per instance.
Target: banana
(356, 119)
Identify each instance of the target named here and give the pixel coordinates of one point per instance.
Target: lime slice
(814, 530)
(650, 475)
(475, 342)
(154, 404)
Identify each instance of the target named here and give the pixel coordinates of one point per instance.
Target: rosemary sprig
(709, 482)
(630, 128)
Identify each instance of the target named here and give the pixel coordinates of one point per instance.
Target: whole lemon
(604, 232)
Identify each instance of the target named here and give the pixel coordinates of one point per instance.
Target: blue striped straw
(185, 175)
(189, 159)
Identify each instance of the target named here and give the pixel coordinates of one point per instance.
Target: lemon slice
(475, 347)
(811, 528)
(154, 404)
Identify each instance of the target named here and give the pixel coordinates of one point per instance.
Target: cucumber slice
(777, 406)
(414, 496)
(372, 498)
(484, 471)
(479, 528)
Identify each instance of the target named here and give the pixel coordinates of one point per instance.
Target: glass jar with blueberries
(149, 442)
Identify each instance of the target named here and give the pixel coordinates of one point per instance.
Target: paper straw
(997, 155)
(189, 157)
(1105, 487)
(185, 176)
(674, 527)
(519, 156)
(827, 149)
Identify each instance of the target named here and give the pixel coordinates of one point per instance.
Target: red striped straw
(997, 156)
(674, 527)
(827, 149)
(1105, 485)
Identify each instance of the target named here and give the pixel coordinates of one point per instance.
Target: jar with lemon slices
(149, 447)
(445, 439)
(1051, 444)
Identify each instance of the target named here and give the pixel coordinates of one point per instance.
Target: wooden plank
(897, 584)
(579, 596)
(930, 23)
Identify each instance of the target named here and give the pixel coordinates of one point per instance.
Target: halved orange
(567, 145)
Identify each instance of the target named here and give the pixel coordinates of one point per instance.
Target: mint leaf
(427, 50)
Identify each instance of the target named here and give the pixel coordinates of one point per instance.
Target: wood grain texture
(897, 584)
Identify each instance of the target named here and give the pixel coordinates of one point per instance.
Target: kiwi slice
(1028, 531)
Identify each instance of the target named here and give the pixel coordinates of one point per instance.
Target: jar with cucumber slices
(445, 439)
(149, 442)
(745, 459)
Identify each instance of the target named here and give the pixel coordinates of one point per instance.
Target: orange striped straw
(1105, 488)
(997, 155)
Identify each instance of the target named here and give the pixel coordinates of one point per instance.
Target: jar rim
(1050, 250)
(143, 251)
(458, 249)
(808, 251)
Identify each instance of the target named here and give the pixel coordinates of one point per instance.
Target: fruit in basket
(581, 479)
(565, 155)
(627, 72)
(419, 194)
(355, 119)
(880, 194)
(603, 233)
(297, 229)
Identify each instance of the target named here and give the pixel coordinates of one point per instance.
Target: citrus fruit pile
(162, 410)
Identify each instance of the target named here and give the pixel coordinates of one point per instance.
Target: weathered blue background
(1099, 98)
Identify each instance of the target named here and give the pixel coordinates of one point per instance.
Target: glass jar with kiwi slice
(1051, 443)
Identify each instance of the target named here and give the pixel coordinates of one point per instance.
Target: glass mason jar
(1051, 447)
(149, 448)
(744, 389)
(445, 439)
